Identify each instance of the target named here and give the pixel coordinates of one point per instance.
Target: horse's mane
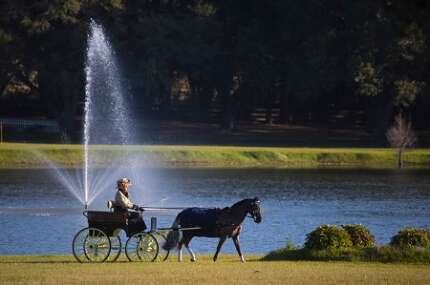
(240, 202)
(229, 215)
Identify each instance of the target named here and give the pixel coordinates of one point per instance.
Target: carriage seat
(132, 222)
(113, 206)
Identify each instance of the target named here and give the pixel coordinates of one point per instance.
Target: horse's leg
(237, 245)
(167, 255)
(187, 245)
(181, 242)
(218, 248)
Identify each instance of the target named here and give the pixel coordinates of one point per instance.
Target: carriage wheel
(141, 247)
(78, 246)
(96, 245)
(116, 247)
(161, 237)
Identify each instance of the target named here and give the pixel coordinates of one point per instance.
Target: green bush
(411, 237)
(371, 254)
(360, 235)
(327, 237)
(290, 245)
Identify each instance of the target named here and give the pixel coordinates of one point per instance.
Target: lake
(39, 216)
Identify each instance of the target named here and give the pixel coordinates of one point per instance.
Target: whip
(157, 201)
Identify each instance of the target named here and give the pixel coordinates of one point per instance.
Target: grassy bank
(63, 270)
(38, 155)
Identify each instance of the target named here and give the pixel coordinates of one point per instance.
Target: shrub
(327, 237)
(372, 254)
(290, 245)
(360, 235)
(411, 237)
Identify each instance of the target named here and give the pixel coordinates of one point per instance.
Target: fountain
(107, 124)
(106, 115)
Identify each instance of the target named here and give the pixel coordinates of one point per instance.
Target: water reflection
(38, 216)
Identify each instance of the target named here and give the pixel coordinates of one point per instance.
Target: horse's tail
(172, 238)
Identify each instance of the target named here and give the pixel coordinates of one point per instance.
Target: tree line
(305, 61)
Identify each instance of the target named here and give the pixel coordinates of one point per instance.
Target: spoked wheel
(116, 247)
(78, 245)
(96, 245)
(161, 237)
(141, 247)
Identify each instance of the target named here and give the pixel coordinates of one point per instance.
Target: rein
(165, 208)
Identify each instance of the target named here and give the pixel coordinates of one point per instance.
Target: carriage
(100, 241)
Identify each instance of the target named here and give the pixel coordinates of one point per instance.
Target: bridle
(253, 211)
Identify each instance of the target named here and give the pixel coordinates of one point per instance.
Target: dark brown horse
(212, 222)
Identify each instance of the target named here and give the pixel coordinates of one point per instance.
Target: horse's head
(254, 210)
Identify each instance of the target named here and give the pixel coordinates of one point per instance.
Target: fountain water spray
(106, 114)
(107, 121)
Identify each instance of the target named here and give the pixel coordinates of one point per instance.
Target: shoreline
(19, 155)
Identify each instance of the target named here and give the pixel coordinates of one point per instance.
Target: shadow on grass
(58, 262)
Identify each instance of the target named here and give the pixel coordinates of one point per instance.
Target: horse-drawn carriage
(101, 241)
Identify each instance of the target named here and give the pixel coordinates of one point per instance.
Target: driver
(122, 197)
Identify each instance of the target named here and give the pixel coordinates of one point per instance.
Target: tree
(314, 60)
(400, 136)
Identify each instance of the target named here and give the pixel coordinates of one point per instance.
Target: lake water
(39, 216)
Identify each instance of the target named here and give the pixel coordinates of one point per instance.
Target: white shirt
(122, 200)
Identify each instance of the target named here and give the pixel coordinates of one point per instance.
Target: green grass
(33, 155)
(376, 254)
(49, 270)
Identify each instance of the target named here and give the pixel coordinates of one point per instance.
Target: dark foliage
(360, 235)
(411, 237)
(352, 65)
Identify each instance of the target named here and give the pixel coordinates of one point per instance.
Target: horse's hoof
(193, 260)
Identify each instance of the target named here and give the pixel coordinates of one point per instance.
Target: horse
(211, 222)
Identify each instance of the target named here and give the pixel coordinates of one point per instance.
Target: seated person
(123, 204)
(122, 197)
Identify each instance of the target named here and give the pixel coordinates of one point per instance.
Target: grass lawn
(36, 155)
(227, 270)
